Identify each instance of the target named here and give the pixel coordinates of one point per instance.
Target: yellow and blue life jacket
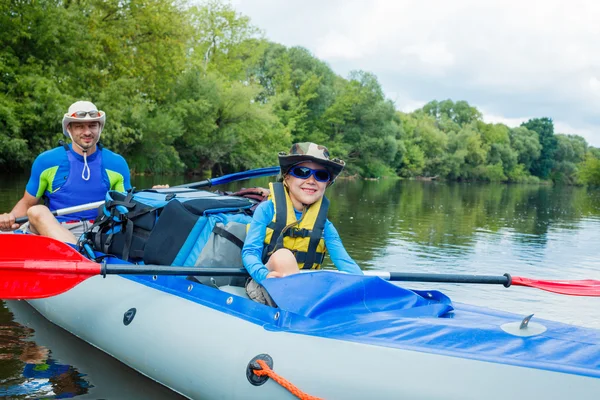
(303, 237)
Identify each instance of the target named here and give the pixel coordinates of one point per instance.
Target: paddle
(68, 210)
(586, 287)
(238, 176)
(36, 266)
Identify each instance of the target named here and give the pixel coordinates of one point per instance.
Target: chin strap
(86, 167)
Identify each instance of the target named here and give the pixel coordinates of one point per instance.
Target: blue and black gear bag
(171, 226)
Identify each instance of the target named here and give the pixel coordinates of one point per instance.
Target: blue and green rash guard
(56, 175)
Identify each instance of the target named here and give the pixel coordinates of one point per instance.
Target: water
(535, 231)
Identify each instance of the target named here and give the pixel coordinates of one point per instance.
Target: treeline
(199, 89)
(449, 140)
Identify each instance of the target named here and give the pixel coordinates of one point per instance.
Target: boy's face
(305, 191)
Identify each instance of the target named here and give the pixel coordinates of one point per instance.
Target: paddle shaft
(504, 280)
(84, 266)
(238, 176)
(65, 211)
(124, 269)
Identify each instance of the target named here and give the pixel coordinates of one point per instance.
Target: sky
(513, 60)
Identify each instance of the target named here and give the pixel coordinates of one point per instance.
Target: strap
(296, 233)
(280, 218)
(128, 231)
(316, 235)
(141, 211)
(229, 236)
(64, 145)
(302, 256)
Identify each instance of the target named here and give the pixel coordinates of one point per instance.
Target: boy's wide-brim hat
(82, 106)
(307, 151)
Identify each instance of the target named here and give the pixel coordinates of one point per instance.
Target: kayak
(333, 336)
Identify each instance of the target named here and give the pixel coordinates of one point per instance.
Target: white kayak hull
(203, 353)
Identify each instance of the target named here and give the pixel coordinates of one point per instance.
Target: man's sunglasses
(321, 175)
(82, 114)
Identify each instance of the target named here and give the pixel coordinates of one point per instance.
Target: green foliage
(223, 127)
(545, 129)
(570, 151)
(445, 112)
(589, 171)
(224, 41)
(196, 88)
(527, 145)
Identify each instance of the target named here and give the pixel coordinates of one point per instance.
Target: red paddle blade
(586, 287)
(33, 267)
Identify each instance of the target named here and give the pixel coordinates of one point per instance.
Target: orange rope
(266, 371)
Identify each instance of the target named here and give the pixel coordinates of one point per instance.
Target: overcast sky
(513, 60)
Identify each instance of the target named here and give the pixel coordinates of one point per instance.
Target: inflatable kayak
(334, 336)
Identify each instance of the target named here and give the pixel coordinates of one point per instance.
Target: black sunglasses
(321, 175)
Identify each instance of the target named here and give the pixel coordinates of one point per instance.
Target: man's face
(85, 134)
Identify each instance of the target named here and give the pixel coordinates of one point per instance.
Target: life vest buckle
(296, 233)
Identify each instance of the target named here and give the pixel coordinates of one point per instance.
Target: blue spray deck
(372, 311)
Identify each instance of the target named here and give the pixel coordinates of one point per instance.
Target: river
(546, 232)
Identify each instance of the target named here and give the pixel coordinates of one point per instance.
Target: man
(70, 175)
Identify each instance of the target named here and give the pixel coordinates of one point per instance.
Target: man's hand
(7, 222)
(275, 274)
(160, 186)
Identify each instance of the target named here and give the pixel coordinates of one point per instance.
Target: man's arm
(7, 220)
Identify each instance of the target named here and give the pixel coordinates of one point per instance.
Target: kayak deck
(382, 317)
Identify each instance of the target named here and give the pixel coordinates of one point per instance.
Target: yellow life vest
(304, 239)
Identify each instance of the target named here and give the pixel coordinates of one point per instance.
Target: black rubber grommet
(128, 316)
(508, 280)
(253, 366)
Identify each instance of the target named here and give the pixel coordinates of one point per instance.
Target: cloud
(337, 46)
(513, 58)
(498, 119)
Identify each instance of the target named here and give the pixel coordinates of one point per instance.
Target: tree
(461, 113)
(570, 151)
(527, 145)
(545, 129)
(225, 41)
(223, 129)
(589, 171)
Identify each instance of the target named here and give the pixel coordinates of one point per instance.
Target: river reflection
(546, 232)
(26, 367)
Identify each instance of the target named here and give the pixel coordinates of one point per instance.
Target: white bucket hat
(85, 107)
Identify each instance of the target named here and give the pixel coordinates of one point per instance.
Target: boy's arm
(340, 257)
(254, 243)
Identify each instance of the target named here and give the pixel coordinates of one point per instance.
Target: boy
(290, 231)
